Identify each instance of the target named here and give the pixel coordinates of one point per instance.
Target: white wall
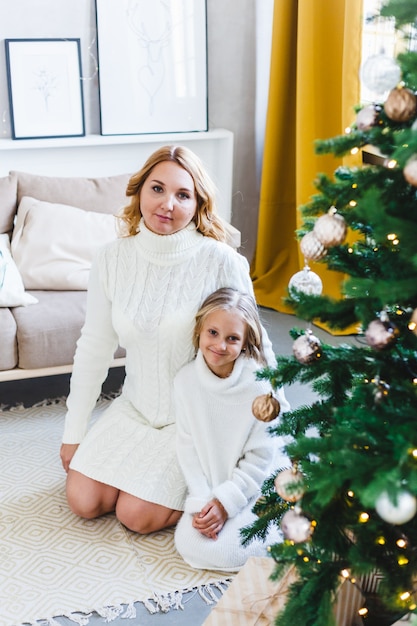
(231, 62)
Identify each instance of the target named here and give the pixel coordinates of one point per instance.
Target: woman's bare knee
(144, 517)
(89, 498)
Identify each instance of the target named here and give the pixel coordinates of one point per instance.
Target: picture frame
(45, 88)
(152, 58)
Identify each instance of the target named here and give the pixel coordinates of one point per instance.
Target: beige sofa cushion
(51, 344)
(8, 200)
(53, 244)
(8, 350)
(12, 290)
(105, 194)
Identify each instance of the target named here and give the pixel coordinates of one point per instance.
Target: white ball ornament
(330, 229)
(400, 512)
(311, 247)
(380, 73)
(306, 281)
(295, 526)
(380, 335)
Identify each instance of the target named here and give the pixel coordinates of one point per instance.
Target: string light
(354, 151)
(402, 560)
(352, 203)
(405, 596)
(363, 518)
(363, 611)
(401, 543)
(381, 541)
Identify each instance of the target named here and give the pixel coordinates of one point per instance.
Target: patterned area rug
(51, 562)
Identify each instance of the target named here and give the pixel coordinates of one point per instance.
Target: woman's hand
(67, 452)
(211, 519)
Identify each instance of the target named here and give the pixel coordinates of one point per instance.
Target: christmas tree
(347, 506)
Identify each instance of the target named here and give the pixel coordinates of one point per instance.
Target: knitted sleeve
(94, 353)
(249, 473)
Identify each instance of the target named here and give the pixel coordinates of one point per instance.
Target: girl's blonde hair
(229, 299)
(206, 218)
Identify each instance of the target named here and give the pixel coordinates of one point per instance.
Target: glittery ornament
(400, 106)
(380, 73)
(380, 334)
(366, 118)
(295, 526)
(330, 229)
(289, 484)
(306, 281)
(307, 348)
(410, 171)
(400, 512)
(266, 407)
(311, 247)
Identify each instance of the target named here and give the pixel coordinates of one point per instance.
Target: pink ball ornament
(295, 526)
(289, 485)
(380, 334)
(410, 171)
(366, 118)
(311, 247)
(330, 229)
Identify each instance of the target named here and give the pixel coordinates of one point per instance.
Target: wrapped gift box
(254, 600)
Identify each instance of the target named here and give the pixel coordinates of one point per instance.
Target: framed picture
(45, 89)
(152, 66)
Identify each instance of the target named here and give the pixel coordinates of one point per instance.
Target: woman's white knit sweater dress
(144, 292)
(225, 453)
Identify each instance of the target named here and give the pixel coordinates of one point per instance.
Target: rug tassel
(176, 602)
(162, 602)
(110, 613)
(78, 618)
(202, 592)
(130, 612)
(151, 608)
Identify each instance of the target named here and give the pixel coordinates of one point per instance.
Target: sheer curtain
(314, 84)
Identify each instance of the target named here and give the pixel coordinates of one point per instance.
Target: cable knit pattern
(144, 292)
(225, 453)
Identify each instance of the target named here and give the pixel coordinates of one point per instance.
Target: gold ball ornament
(400, 106)
(266, 407)
(289, 485)
(295, 526)
(410, 171)
(307, 348)
(312, 248)
(380, 334)
(330, 229)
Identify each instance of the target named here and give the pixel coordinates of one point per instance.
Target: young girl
(224, 452)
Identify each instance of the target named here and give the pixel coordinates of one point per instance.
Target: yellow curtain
(314, 85)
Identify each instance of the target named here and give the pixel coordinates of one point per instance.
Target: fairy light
(363, 611)
(364, 517)
(345, 573)
(354, 151)
(350, 250)
(381, 541)
(391, 164)
(351, 494)
(401, 543)
(412, 326)
(353, 203)
(402, 560)
(393, 238)
(406, 595)
(348, 130)
(355, 186)
(414, 452)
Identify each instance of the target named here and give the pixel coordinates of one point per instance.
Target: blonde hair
(206, 218)
(229, 299)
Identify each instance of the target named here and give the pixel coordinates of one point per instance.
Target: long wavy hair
(228, 299)
(207, 220)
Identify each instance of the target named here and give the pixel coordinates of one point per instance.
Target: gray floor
(29, 392)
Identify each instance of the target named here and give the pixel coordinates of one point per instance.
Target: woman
(144, 291)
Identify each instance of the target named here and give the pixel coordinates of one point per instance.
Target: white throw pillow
(53, 244)
(12, 291)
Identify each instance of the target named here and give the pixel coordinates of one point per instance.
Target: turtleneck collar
(167, 248)
(239, 381)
